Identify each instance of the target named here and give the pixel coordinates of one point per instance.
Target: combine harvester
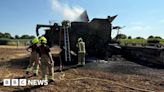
(97, 35)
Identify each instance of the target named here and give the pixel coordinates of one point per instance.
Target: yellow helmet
(35, 41)
(43, 40)
(80, 39)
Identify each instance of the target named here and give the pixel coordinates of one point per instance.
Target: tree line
(123, 36)
(119, 36)
(8, 36)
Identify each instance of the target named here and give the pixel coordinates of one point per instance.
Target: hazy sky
(141, 17)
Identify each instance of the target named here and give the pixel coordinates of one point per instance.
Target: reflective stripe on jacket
(81, 47)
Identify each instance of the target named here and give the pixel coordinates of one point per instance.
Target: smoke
(68, 12)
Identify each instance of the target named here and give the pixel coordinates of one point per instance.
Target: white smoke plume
(68, 12)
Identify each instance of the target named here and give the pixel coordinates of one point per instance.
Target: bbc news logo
(23, 82)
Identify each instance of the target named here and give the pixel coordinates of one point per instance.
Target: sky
(140, 17)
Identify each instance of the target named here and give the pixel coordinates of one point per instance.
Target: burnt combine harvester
(97, 35)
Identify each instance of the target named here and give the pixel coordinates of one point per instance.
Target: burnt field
(117, 74)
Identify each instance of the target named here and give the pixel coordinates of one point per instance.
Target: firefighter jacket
(81, 47)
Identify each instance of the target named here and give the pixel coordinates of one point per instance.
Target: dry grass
(7, 46)
(75, 80)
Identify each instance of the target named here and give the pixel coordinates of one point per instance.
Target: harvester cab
(38, 26)
(50, 32)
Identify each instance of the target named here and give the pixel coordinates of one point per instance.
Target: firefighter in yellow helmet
(34, 58)
(81, 51)
(46, 60)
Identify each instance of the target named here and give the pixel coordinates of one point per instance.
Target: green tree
(17, 37)
(150, 37)
(7, 35)
(1, 35)
(25, 37)
(129, 37)
(158, 37)
(139, 38)
(121, 36)
(31, 37)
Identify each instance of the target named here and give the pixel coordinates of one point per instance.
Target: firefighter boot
(36, 70)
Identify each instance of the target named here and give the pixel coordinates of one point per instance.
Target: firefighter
(46, 60)
(81, 51)
(34, 58)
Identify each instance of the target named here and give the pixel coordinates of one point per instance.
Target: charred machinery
(96, 34)
(145, 54)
